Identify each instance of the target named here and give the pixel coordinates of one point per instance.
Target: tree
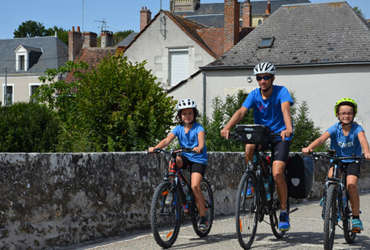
(62, 34)
(358, 11)
(120, 35)
(30, 29)
(116, 106)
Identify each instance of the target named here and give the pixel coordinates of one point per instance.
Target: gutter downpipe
(204, 94)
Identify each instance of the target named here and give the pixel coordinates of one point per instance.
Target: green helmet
(345, 101)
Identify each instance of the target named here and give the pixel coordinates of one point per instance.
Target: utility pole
(6, 88)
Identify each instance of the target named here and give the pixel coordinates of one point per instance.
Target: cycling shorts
(280, 151)
(193, 166)
(353, 168)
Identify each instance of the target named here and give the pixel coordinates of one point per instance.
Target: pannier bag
(253, 133)
(299, 176)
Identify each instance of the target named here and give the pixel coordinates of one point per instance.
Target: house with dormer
(322, 54)
(23, 61)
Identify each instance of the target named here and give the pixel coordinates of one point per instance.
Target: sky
(119, 15)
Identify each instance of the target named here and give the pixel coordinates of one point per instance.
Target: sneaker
(322, 202)
(284, 222)
(185, 207)
(357, 226)
(203, 223)
(250, 192)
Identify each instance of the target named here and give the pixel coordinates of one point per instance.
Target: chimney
(247, 14)
(231, 23)
(74, 43)
(106, 39)
(89, 40)
(268, 8)
(145, 17)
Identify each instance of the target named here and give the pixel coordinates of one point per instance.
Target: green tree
(28, 127)
(62, 34)
(116, 106)
(30, 29)
(120, 35)
(358, 11)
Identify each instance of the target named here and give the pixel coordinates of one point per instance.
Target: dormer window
(26, 57)
(22, 61)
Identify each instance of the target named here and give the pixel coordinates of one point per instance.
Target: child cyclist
(347, 138)
(190, 135)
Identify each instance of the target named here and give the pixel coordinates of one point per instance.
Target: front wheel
(330, 216)
(246, 214)
(274, 219)
(165, 214)
(208, 197)
(347, 225)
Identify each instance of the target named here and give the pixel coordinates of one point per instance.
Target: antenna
(103, 24)
(83, 15)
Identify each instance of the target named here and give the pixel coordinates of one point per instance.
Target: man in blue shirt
(271, 107)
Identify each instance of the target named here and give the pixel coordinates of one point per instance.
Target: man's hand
(197, 149)
(225, 133)
(306, 150)
(367, 155)
(285, 133)
(151, 149)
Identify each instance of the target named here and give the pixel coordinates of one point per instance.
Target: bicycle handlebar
(334, 157)
(175, 151)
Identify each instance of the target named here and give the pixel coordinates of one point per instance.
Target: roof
(305, 34)
(212, 14)
(127, 40)
(54, 53)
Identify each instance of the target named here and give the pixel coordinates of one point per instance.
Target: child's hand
(306, 150)
(197, 149)
(367, 156)
(151, 149)
(225, 133)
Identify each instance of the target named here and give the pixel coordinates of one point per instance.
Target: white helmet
(264, 67)
(185, 104)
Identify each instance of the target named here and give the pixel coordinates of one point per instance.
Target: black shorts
(353, 168)
(280, 151)
(193, 166)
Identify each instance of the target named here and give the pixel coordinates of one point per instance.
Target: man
(271, 107)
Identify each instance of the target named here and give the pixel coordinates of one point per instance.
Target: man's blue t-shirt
(190, 140)
(345, 145)
(268, 112)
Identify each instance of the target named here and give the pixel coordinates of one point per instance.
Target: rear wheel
(208, 197)
(165, 214)
(246, 215)
(331, 217)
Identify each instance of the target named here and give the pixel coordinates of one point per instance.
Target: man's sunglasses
(266, 77)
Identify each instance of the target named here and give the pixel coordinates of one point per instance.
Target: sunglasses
(266, 77)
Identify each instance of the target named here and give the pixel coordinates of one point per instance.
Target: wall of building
(50, 200)
(20, 87)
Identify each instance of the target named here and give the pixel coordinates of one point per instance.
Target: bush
(28, 127)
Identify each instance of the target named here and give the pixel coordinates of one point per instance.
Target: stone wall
(50, 200)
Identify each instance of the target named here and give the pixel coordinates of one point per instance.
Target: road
(306, 233)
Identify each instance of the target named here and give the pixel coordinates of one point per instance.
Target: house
(23, 61)
(322, 53)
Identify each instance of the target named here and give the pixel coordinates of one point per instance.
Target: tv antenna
(103, 24)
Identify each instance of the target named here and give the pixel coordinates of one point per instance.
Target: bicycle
(171, 197)
(335, 202)
(262, 199)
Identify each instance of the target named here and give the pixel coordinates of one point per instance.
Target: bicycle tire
(247, 210)
(208, 197)
(330, 219)
(347, 224)
(274, 219)
(165, 215)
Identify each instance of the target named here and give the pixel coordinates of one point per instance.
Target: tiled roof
(54, 53)
(127, 40)
(305, 34)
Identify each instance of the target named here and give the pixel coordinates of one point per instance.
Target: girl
(347, 138)
(190, 135)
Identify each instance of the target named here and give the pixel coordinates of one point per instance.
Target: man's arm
(285, 108)
(237, 116)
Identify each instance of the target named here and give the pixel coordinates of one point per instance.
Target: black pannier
(253, 133)
(299, 176)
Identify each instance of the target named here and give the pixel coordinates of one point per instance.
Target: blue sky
(118, 14)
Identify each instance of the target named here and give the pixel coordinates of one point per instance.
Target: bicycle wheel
(330, 219)
(165, 214)
(274, 218)
(246, 214)
(347, 224)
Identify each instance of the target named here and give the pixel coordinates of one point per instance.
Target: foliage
(116, 106)
(358, 11)
(62, 34)
(222, 113)
(120, 35)
(28, 127)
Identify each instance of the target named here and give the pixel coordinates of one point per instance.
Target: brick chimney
(106, 39)
(247, 14)
(231, 23)
(145, 17)
(268, 8)
(74, 43)
(89, 40)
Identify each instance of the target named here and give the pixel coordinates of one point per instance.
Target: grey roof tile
(127, 40)
(304, 34)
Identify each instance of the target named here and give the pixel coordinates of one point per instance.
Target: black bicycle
(172, 199)
(256, 196)
(335, 203)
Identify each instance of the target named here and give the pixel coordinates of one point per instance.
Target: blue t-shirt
(345, 145)
(190, 140)
(268, 112)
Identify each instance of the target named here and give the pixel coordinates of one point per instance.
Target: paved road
(305, 233)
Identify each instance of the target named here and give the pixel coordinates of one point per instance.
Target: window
(8, 94)
(32, 89)
(266, 42)
(178, 65)
(21, 62)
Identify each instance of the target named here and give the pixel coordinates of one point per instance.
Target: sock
(282, 211)
(355, 217)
